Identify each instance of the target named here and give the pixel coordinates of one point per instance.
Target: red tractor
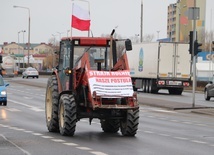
(92, 80)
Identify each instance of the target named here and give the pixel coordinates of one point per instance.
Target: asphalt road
(161, 131)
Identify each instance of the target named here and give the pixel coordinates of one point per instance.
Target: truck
(91, 82)
(9, 67)
(160, 65)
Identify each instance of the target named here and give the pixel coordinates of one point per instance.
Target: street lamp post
(28, 31)
(18, 49)
(54, 36)
(60, 35)
(23, 36)
(67, 32)
(23, 48)
(158, 35)
(141, 22)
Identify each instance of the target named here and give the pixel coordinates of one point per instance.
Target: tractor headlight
(3, 93)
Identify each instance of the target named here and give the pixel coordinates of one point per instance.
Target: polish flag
(80, 18)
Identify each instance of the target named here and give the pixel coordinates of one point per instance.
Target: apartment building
(178, 24)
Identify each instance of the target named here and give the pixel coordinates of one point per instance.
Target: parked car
(209, 91)
(3, 91)
(30, 72)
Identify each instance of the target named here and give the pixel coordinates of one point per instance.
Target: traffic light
(212, 45)
(196, 47)
(1, 59)
(190, 42)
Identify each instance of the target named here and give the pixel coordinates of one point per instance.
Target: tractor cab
(96, 53)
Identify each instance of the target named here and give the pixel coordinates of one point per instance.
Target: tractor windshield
(99, 56)
(96, 55)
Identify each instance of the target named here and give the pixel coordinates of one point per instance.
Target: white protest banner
(110, 83)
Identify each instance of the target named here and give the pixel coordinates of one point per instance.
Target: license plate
(175, 83)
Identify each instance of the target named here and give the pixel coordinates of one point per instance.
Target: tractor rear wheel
(129, 125)
(52, 105)
(67, 115)
(110, 126)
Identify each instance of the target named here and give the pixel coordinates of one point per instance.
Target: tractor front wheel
(129, 125)
(67, 115)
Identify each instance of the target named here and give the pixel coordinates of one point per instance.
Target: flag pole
(89, 17)
(71, 18)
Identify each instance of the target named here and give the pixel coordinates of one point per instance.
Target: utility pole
(193, 14)
(141, 23)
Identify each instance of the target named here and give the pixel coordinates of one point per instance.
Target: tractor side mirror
(128, 44)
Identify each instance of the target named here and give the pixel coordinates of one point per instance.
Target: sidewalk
(207, 111)
(176, 106)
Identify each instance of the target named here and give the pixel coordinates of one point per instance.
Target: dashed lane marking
(46, 137)
(28, 106)
(58, 140)
(200, 142)
(148, 131)
(12, 109)
(162, 134)
(98, 153)
(181, 138)
(71, 144)
(84, 148)
(28, 131)
(37, 134)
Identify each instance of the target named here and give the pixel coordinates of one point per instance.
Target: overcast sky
(51, 16)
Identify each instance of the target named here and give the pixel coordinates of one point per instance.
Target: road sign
(194, 13)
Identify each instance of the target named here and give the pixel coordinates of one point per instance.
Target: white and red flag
(80, 18)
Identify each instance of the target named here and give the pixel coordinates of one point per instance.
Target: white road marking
(187, 122)
(5, 126)
(24, 151)
(181, 138)
(174, 120)
(26, 105)
(13, 128)
(28, 98)
(19, 129)
(151, 116)
(37, 134)
(167, 111)
(200, 142)
(148, 131)
(166, 135)
(71, 144)
(12, 109)
(201, 124)
(58, 140)
(46, 137)
(98, 153)
(28, 131)
(37, 109)
(84, 148)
